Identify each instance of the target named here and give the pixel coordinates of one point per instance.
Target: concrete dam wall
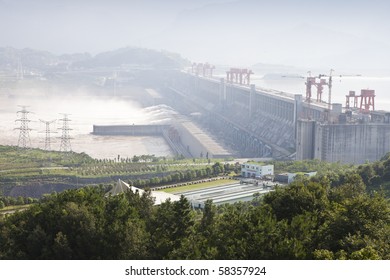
(348, 143)
(132, 130)
(184, 137)
(259, 122)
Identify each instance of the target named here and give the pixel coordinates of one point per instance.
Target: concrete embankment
(131, 130)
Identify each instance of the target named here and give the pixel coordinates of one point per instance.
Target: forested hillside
(318, 219)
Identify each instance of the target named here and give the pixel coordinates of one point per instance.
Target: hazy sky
(330, 33)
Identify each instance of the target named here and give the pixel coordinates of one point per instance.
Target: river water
(84, 112)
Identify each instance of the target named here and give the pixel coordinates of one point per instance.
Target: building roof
(163, 196)
(121, 187)
(159, 197)
(256, 163)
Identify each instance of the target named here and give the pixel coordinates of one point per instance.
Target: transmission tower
(47, 132)
(65, 137)
(24, 135)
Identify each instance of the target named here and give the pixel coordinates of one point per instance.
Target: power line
(47, 132)
(24, 131)
(65, 137)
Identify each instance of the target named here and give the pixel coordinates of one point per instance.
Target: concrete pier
(133, 130)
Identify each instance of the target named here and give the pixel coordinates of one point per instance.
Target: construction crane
(329, 84)
(367, 100)
(319, 82)
(205, 69)
(196, 68)
(310, 81)
(239, 76)
(348, 97)
(208, 70)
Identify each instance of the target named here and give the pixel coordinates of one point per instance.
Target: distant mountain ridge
(12, 58)
(134, 56)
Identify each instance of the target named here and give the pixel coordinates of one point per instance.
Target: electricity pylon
(47, 132)
(65, 137)
(24, 131)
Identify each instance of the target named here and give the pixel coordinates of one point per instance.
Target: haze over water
(84, 112)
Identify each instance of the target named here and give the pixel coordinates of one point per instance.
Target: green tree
(232, 232)
(208, 219)
(61, 248)
(124, 232)
(161, 230)
(296, 199)
(217, 168)
(354, 223)
(184, 218)
(367, 172)
(171, 226)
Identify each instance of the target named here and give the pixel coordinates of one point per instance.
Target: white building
(290, 177)
(256, 170)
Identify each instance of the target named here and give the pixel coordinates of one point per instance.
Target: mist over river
(84, 111)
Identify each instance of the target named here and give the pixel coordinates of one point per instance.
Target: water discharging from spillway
(84, 112)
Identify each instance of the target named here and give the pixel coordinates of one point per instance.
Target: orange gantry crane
(367, 100)
(239, 76)
(204, 69)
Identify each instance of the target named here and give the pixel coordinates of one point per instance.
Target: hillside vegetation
(322, 218)
(307, 220)
(34, 172)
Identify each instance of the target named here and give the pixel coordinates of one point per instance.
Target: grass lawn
(200, 186)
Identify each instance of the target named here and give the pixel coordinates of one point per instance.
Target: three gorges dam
(255, 122)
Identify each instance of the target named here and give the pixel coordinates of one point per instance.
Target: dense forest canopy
(328, 217)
